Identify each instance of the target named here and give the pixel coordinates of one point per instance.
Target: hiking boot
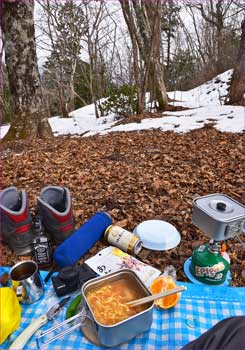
(54, 205)
(16, 222)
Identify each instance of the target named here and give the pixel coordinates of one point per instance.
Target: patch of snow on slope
(211, 93)
(81, 120)
(204, 100)
(225, 118)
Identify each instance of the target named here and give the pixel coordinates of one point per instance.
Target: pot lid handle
(221, 206)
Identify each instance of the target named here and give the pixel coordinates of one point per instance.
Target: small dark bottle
(41, 245)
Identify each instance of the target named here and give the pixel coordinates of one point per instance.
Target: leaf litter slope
(135, 176)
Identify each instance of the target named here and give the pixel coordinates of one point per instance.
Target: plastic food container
(121, 332)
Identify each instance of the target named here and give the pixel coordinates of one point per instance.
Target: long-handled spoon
(156, 296)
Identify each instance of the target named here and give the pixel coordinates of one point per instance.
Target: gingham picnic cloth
(199, 308)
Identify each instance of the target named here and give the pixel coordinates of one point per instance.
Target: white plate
(157, 235)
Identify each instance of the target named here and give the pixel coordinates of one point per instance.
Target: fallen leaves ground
(135, 176)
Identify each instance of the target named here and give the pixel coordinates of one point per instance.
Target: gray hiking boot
(16, 222)
(54, 205)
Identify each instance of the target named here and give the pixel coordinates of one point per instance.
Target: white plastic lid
(157, 235)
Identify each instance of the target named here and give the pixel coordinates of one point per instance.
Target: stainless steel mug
(26, 281)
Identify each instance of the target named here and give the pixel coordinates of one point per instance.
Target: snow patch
(206, 103)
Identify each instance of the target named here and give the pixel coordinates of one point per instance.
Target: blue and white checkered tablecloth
(200, 308)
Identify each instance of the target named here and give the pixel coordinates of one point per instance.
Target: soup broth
(108, 302)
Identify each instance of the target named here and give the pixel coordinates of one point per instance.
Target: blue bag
(75, 246)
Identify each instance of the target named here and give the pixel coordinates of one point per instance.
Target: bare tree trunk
(143, 22)
(64, 27)
(30, 119)
(162, 97)
(72, 86)
(154, 15)
(137, 71)
(220, 58)
(236, 91)
(63, 106)
(168, 47)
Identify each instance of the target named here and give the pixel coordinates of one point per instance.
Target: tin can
(123, 239)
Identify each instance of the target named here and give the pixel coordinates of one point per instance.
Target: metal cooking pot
(218, 215)
(127, 329)
(102, 335)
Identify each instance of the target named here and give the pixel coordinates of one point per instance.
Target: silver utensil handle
(156, 296)
(67, 331)
(50, 330)
(42, 344)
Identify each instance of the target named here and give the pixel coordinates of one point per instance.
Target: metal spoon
(156, 296)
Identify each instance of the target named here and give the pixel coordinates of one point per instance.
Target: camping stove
(221, 218)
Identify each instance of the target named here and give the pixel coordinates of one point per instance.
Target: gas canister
(208, 266)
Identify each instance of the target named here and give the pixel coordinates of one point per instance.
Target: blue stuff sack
(75, 246)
